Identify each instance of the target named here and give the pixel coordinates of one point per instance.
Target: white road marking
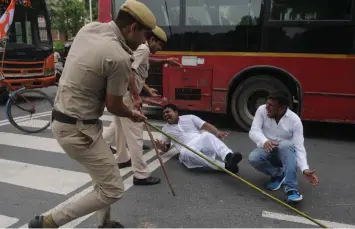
(39, 123)
(127, 182)
(30, 142)
(6, 221)
(42, 178)
(39, 115)
(298, 219)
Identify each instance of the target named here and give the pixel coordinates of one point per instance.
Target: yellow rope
(239, 178)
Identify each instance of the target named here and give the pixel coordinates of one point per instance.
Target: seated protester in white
(187, 129)
(278, 133)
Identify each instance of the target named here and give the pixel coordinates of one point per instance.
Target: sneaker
(294, 196)
(276, 183)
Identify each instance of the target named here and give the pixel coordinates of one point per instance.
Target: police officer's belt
(60, 117)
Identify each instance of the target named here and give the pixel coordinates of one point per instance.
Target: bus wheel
(249, 95)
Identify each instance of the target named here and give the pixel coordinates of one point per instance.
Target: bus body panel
(326, 98)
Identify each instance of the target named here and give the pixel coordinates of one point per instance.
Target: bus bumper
(31, 83)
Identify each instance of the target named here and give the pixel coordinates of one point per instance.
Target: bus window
(42, 27)
(315, 10)
(167, 12)
(222, 13)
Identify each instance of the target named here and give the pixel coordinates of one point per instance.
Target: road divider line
(21, 119)
(298, 219)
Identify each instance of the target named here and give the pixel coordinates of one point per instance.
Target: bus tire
(250, 94)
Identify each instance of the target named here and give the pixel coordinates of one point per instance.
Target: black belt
(60, 117)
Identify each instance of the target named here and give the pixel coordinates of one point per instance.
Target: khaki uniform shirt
(141, 65)
(98, 62)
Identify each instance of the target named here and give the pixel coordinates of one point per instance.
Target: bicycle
(14, 100)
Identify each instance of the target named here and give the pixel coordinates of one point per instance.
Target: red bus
(235, 52)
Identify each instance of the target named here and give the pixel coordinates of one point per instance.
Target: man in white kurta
(200, 136)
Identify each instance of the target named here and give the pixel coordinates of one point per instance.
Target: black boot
(146, 181)
(232, 160)
(125, 164)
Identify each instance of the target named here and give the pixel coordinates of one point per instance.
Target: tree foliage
(68, 16)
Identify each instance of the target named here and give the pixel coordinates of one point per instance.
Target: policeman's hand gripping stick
(158, 155)
(239, 178)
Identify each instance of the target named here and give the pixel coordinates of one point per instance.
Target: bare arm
(117, 81)
(115, 105)
(154, 61)
(146, 87)
(170, 60)
(132, 85)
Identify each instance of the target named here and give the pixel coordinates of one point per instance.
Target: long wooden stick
(158, 156)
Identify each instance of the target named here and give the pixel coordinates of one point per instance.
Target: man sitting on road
(278, 134)
(187, 129)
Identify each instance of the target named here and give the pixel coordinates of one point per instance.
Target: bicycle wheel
(25, 101)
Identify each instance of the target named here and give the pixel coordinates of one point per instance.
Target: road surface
(36, 176)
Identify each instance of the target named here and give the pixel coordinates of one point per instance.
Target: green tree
(68, 16)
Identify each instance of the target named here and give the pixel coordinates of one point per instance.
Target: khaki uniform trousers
(84, 143)
(131, 133)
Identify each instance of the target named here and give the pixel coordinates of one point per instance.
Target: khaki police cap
(140, 12)
(159, 33)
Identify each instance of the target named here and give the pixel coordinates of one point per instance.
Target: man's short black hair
(171, 106)
(281, 97)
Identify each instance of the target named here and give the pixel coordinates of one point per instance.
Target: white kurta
(188, 131)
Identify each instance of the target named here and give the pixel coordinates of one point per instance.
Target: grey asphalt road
(204, 199)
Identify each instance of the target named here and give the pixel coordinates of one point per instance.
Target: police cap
(159, 33)
(140, 12)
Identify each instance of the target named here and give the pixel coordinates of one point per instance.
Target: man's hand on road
(311, 176)
(137, 116)
(270, 145)
(221, 135)
(173, 61)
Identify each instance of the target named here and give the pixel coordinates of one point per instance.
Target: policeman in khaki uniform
(133, 132)
(96, 74)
